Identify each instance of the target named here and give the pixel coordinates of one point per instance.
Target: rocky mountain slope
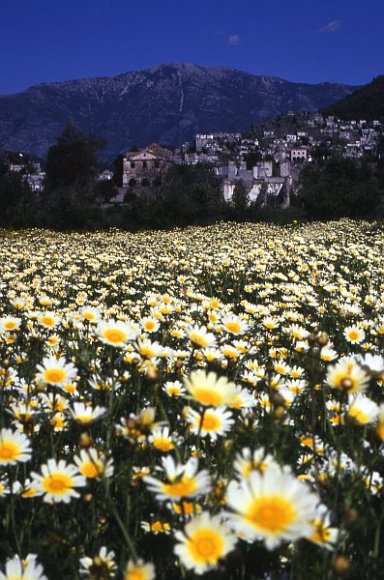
(166, 104)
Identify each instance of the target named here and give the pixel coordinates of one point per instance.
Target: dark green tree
(72, 161)
(339, 188)
(188, 194)
(104, 191)
(15, 194)
(239, 201)
(118, 169)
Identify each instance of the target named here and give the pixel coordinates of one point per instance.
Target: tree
(118, 166)
(104, 191)
(14, 194)
(188, 194)
(239, 200)
(72, 160)
(339, 188)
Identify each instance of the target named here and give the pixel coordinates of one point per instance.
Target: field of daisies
(200, 402)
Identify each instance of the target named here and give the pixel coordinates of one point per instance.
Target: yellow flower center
(185, 507)
(183, 488)
(54, 375)
(321, 535)
(206, 545)
(57, 483)
(345, 381)
(159, 526)
(29, 492)
(233, 326)
(114, 335)
(90, 316)
(207, 396)
(147, 351)
(48, 321)
(211, 422)
(149, 325)
(198, 339)
(358, 416)
(91, 470)
(136, 573)
(83, 418)
(230, 353)
(173, 391)
(353, 335)
(10, 324)
(9, 451)
(271, 513)
(380, 431)
(163, 444)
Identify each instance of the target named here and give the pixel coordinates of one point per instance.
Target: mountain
(366, 102)
(166, 104)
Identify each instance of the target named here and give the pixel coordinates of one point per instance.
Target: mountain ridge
(166, 103)
(365, 102)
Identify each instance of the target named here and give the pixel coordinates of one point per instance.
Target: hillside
(364, 103)
(166, 104)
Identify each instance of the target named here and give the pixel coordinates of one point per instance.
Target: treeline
(188, 195)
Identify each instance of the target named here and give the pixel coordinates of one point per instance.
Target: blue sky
(307, 41)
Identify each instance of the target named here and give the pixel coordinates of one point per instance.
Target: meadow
(205, 402)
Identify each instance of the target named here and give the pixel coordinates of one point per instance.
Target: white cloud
(331, 27)
(234, 39)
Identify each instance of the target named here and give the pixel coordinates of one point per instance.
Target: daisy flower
(200, 337)
(4, 485)
(148, 349)
(48, 320)
(362, 410)
(183, 481)
(150, 324)
(234, 324)
(213, 422)
(203, 543)
(270, 323)
(90, 314)
(27, 569)
(92, 464)
(347, 375)
(273, 506)
(243, 399)
(139, 570)
(85, 414)
(323, 535)
(354, 334)
(379, 427)
(328, 354)
(115, 333)
(9, 324)
(156, 527)
(209, 389)
(14, 447)
(102, 565)
(373, 362)
(161, 440)
(55, 371)
(247, 461)
(57, 481)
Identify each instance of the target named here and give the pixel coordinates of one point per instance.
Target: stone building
(299, 153)
(147, 167)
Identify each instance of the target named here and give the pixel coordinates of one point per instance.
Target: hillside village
(266, 160)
